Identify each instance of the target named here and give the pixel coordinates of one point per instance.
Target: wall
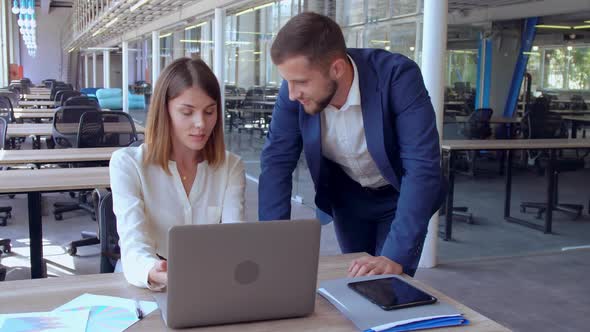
(116, 70)
(49, 61)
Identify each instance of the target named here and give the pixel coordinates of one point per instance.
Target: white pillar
(86, 73)
(218, 52)
(155, 57)
(106, 68)
(4, 75)
(434, 46)
(94, 70)
(125, 69)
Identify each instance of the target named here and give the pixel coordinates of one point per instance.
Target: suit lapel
(372, 109)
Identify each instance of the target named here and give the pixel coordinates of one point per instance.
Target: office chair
(110, 252)
(6, 110)
(48, 82)
(65, 133)
(544, 124)
(578, 103)
(5, 211)
(102, 129)
(82, 101)
(477, 127)
(56, 88)
(65, 95)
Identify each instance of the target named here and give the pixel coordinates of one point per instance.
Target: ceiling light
(71, 50)
(138, 4)
(111, 22)
(535, 48)
(97, 32)
(103, 48)
(195, 26)
(569, 48)
(546, 26)
(263, 6)
(412, 48)
(245, 11)
(531, 53)
(380, 41)
(582, 27)
(196, 41)
(166, 35)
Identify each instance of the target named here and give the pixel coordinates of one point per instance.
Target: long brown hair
(180, 75)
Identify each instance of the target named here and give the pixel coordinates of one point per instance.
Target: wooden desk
(34, 115)
(452, 146)
(50, 156)
(34, 182)
(47, 294)
(39, 103)
(37, 96)
(43, 129)
(576, 121)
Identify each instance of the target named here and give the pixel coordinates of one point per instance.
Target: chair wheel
(6, 248)
(11, 196)
(72, 251)
(58, 216)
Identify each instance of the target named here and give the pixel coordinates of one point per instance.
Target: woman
(181, 175)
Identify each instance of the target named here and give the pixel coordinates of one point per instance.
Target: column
(106, 68)
(434, 47)
(125, 69)
(218, 52)
(155, 57)
(94, 70)
(86, 73)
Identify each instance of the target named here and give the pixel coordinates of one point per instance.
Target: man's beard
(317, 107)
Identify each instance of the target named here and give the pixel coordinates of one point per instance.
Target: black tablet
(392, 293)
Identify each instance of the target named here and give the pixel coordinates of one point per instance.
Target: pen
(138, 310)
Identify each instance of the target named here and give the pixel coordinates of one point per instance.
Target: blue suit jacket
(402, 139)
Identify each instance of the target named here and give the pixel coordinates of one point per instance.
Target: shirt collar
(354, 94)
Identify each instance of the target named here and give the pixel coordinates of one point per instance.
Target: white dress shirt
(344, 142)
(147, 202)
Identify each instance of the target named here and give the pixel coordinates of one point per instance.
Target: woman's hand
(158, 275)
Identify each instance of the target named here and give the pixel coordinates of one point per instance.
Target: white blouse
(147, 202)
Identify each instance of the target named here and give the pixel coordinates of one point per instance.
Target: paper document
(107, 313)
(44, 321)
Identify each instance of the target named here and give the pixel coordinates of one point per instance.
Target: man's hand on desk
(371, 265)
(158, 275)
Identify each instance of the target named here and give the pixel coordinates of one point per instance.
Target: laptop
(229, 273)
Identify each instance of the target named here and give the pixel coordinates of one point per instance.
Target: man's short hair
(315, 36)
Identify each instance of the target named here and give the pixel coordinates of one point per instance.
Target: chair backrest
(542, 123)
(577, 103)
(81, 101)
(106, 129)
(6, 110)
(478, 124)
(66, 122)
(107, 230)
(3, 129)
(56, 88)
(67, 94)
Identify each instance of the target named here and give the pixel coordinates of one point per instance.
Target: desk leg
(508, 190)
(550, 191)
(449, 209)
(574, 128)
(36, 235)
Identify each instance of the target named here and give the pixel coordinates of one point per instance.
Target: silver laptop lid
(225, 273)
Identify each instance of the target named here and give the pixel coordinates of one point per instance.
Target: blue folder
(369, 317)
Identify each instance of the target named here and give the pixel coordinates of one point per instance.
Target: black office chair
(477, 127)
(66, 122)
(82, 101)
(541, 123)
(110, 252)
(102, 129)
(65, 95)
(5, 211)
(56, 88)
(48, 82)
(6, 110)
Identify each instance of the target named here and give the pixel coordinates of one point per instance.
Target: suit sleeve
(421, 187)
(278, 159)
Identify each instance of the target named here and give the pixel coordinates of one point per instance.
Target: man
(365, 121)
